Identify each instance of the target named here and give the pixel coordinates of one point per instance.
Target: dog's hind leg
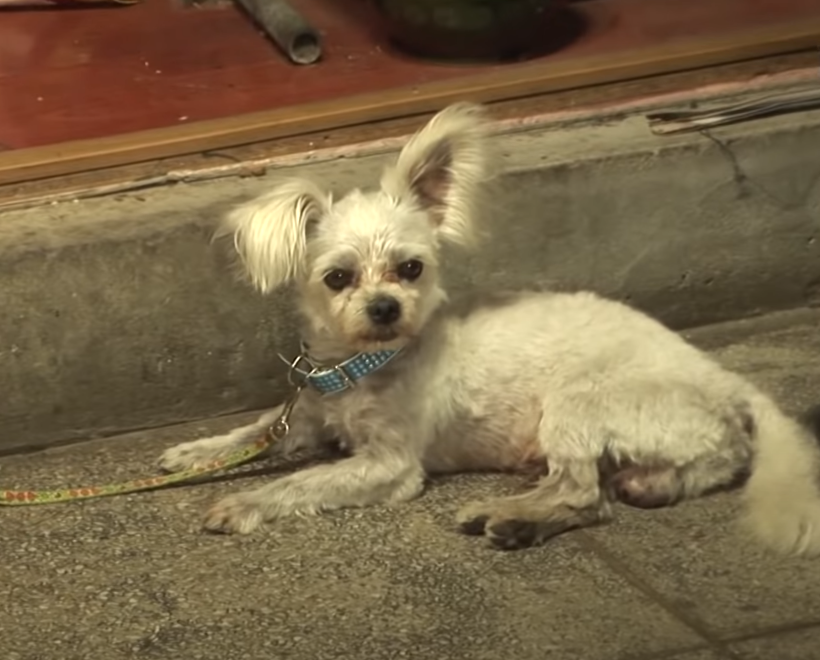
(653, 486)
(657, 484)
(569, 497)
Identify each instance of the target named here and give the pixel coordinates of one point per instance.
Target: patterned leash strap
(31, 497)
(277, 432)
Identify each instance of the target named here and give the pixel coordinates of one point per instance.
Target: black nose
(384, 310)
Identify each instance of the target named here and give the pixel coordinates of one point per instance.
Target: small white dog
(605, 402)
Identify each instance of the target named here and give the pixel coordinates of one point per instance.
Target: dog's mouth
(381, 339)
(381, 335)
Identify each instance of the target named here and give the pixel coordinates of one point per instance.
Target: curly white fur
(600, 399)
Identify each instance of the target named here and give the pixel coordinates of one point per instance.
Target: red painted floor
(77, 74)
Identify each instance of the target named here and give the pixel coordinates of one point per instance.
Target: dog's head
(367, 265)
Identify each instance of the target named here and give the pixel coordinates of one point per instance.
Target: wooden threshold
(252, 159)
(522, 81)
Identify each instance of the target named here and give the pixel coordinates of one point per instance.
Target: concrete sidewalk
(133, 577)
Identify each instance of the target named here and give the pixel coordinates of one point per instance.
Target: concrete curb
(118, 314)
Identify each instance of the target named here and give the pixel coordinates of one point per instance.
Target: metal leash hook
(281, 427)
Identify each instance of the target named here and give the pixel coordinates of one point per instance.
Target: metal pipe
(287, 27)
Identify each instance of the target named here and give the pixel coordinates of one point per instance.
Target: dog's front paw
(236, 514)
(196, 454)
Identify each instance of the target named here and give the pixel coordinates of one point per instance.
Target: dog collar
(340, 377)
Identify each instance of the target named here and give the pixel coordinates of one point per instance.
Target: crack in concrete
(694, 623)
(746, 183)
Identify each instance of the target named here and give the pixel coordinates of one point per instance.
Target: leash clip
(281, 427)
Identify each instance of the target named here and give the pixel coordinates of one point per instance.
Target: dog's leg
(726, 464)
(649, 487)
(198, 453)
(372, 477)
(567, 498)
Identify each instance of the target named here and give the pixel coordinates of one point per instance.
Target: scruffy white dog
(604, 402)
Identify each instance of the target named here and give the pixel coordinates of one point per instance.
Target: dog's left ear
(441, 170)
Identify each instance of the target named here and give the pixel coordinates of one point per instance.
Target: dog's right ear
(270, 232)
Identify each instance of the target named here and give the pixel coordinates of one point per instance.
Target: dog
(604, 402)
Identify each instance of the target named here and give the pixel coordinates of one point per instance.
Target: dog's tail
(783, 492)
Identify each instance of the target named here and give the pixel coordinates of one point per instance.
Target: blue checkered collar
(337, 378)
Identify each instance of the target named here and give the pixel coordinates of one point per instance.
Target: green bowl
(480, 29)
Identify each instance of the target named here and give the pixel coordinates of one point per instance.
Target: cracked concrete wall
(118, 313)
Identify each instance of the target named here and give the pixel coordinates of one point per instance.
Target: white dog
(605, 402)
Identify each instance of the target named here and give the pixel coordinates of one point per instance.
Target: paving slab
(701, 654)
(133, 577)
(795, 645)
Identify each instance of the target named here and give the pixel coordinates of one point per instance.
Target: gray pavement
(134, 577)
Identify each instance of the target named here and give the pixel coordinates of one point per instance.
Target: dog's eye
(338, 279)
(410, 270)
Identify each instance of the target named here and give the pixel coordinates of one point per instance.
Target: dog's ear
(441, 169)
(270, 232)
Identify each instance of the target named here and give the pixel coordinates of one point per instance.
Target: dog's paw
(193, 455)
(236, 514)
(472, 519)
(501, 529)
(514, 534)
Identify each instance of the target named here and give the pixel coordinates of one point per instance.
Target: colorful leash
(277, 431)
(31, 497)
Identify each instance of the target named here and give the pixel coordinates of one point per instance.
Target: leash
(31, 497)
(326, 380)
(277, 431)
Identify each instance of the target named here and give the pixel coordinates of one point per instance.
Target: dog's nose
(384, 310)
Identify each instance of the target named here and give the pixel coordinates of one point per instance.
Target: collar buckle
(348, 381)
